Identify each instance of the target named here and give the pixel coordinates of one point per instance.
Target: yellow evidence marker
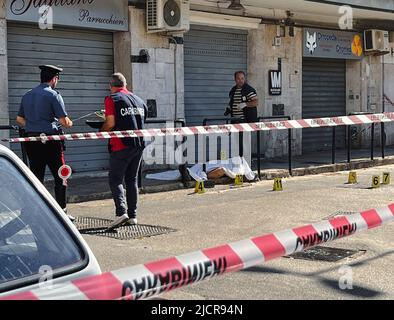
(200, 187)
(386, 178)
(375, 182)
(278, 186)
(239, 180)
(352, 177)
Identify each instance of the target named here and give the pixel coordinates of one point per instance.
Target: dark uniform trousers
(50, 154)
(124, 167)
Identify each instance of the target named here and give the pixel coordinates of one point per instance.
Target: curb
(354, 165)
(89, 197)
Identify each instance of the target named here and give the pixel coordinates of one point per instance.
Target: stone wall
(155, 80)
(364, 94)
(389, 91)
(3, 72)
(263, 56)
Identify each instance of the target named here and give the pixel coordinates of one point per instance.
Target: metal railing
(258, 133)
(227, 120)
(289, 144)
(182, 122)
(349, 139)
(290, 161)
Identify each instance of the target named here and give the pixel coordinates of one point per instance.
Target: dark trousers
(124, 166)
(50, 154)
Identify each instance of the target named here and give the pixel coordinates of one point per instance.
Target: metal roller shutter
(212, 55)
(323, 95)
(87, 59)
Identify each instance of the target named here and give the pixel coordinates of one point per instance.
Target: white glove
(241, 106)
(100, 114)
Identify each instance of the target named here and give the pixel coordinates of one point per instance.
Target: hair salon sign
(98, 14)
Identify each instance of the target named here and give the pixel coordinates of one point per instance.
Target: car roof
(92, 267)
(6, 151)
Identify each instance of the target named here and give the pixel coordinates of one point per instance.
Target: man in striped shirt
(243, 100)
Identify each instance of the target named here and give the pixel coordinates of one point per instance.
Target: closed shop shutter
(323, 95)
(87, 59)
(212, 55)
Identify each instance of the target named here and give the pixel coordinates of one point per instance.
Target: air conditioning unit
(167, 15)
(376, 41)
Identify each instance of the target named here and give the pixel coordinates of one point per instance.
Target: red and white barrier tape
(154, 278)
(219, 129)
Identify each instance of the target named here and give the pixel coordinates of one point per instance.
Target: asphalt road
(227, 214)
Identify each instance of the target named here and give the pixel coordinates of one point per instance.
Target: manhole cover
(98, 227)
(326, 254)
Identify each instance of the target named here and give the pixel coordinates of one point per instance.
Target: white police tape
(154, 278)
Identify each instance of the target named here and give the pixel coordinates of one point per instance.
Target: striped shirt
(237, 100)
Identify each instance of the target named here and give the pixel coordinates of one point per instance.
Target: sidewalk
(82, 189)
(320, 162)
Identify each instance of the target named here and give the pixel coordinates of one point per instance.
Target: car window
(31, 236)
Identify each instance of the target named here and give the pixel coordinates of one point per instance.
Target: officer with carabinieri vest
(42, 112)
(124, 111)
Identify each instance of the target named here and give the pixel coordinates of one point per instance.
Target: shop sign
(109, 15)
(334, 44)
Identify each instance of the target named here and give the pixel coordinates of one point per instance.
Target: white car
(37, 240)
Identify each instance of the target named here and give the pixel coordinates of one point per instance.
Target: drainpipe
(383, 91)
(175, 76)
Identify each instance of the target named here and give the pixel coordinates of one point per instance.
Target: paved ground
(223, 215)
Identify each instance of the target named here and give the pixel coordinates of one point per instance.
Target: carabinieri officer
(42, 111)
(124, 111)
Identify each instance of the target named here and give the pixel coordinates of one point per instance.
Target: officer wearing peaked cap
(42, 111)
(50, 70)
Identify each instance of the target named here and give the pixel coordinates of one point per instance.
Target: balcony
(378, 14)
(378, 5)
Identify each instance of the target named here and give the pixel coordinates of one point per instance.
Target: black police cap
(50, 70)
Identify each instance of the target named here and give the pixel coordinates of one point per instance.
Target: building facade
(187, 75)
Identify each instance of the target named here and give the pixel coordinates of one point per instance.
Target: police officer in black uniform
(42, 112)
